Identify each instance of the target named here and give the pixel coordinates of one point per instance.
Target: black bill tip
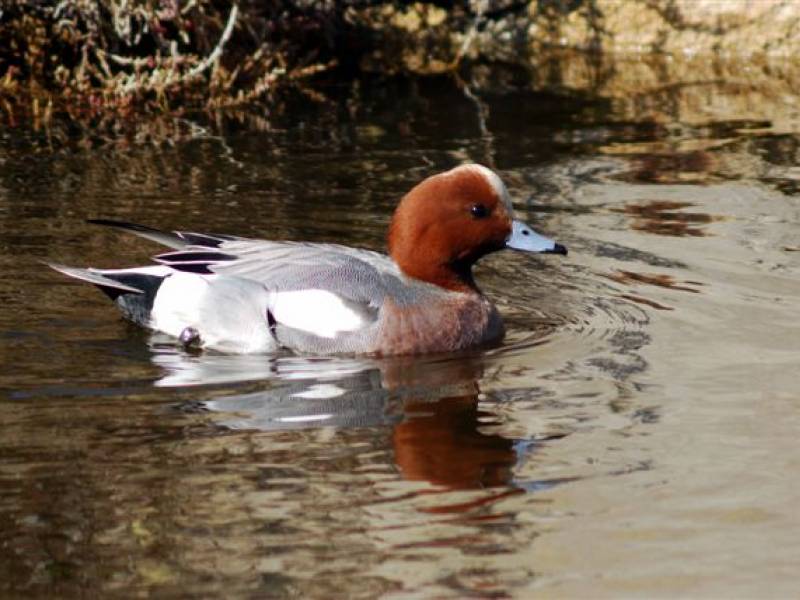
(557, 249)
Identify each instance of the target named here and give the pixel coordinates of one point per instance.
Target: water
(635, 435)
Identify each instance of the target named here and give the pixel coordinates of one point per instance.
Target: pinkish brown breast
(455, 321)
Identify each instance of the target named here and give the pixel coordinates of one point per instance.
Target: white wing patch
(319, 312)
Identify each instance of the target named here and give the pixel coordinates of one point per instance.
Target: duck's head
(450, 220)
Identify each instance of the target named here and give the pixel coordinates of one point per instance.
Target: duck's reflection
(440, 442)
(430, 405)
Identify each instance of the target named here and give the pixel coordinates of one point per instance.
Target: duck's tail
(111, 287)
(133, 290)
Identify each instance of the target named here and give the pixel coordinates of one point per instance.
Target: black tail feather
(133, 292)
(176, 240)
(172, 240)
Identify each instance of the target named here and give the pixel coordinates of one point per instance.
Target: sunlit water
(635, 434)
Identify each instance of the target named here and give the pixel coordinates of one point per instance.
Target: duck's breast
(443, 322)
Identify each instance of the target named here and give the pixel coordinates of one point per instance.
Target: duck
(244, 295)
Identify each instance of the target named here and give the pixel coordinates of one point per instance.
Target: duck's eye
(479, 211)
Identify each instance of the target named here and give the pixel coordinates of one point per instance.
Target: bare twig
(215, 54)
(482, 114)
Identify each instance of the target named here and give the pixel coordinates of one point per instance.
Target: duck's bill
(524, 238)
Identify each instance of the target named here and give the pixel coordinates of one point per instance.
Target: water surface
(635, 435)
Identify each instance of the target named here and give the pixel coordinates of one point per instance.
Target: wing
(355, 274)
(323, 298)
(358, 276)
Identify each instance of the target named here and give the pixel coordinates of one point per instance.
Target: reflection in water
(646, 302)
(657, 279)
(661, 218)
(211, 368)
(440, 442)
(430, 404)
(663, 167)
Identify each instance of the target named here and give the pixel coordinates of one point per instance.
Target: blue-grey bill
(524, 238)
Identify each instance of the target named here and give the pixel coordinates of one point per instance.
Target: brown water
(635, 436)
